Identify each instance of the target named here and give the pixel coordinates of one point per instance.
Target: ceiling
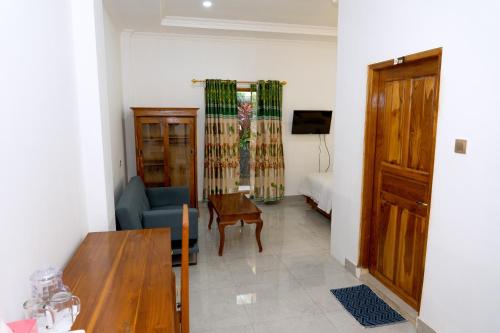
(147, 15)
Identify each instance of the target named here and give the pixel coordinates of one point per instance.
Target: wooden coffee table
(232, 208)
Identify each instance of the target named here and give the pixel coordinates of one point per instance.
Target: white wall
(461, 289)
(93, 107)
(158, 70)
(54, 138)
(42, 205)
(115, 101)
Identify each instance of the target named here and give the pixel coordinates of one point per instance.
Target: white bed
(318, 187)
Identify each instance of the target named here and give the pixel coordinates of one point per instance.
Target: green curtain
(222, 155)
(269, 168)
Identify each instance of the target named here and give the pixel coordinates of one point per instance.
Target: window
(246, 101)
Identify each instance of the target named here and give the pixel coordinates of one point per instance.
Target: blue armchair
(160, 207)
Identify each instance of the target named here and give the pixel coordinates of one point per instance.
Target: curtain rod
(194, 81)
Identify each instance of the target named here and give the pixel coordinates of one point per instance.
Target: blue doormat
(366, 307)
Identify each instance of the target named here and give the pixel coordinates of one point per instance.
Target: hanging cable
(319, 155)
(328, 151)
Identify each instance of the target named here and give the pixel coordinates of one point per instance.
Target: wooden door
(406, 100)
(150, 140)
(181, 160)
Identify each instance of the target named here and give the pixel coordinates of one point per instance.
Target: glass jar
(38, 310)
(65, 308)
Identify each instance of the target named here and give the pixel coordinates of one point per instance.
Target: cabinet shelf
(150, 165)
(174, 141)
(159, 140)
(155, 184)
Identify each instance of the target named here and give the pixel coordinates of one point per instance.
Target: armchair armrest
(168, 196)
(171, 218)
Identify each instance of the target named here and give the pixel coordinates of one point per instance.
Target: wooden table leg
(211, 210)
(222, 235)
(260, 224)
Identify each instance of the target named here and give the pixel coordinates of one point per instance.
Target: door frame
(370, 143)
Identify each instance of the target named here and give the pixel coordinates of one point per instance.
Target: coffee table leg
(260, 224)
(211, 210)
(222, 237)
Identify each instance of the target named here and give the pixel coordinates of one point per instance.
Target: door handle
(421, 203)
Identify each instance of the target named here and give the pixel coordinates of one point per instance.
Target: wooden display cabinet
(165, 142)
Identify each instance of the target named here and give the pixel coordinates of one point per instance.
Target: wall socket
(460, 146)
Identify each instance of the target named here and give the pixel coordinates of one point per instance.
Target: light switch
(460, 146)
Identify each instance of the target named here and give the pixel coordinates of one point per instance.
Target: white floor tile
(233, 329)
(215, 309)
(286, 288)
(310, 324)
(209, 275)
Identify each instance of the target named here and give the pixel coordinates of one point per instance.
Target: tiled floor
(283, 289)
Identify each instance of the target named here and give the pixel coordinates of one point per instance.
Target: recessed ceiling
(146, 15)
(305, 12)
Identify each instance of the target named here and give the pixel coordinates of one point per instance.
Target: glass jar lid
(44, 275)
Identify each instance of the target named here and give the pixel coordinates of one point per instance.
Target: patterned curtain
(253, 138)
(222, 156)
(269, 182)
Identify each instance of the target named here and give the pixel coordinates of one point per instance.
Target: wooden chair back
(185, 271)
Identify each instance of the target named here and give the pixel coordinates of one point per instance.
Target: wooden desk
(230, 209)
(125, 282)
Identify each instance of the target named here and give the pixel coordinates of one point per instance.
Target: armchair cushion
(167, 196)
(164, 207)
(171, 218)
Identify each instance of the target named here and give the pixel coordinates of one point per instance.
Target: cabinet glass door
(153, 151)
(180, 153)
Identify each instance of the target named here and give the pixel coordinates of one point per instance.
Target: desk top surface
(124, 281)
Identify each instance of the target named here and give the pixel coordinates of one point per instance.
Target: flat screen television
(311, 122)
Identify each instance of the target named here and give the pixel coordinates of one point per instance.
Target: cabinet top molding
(161, 108)
(164, 111)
